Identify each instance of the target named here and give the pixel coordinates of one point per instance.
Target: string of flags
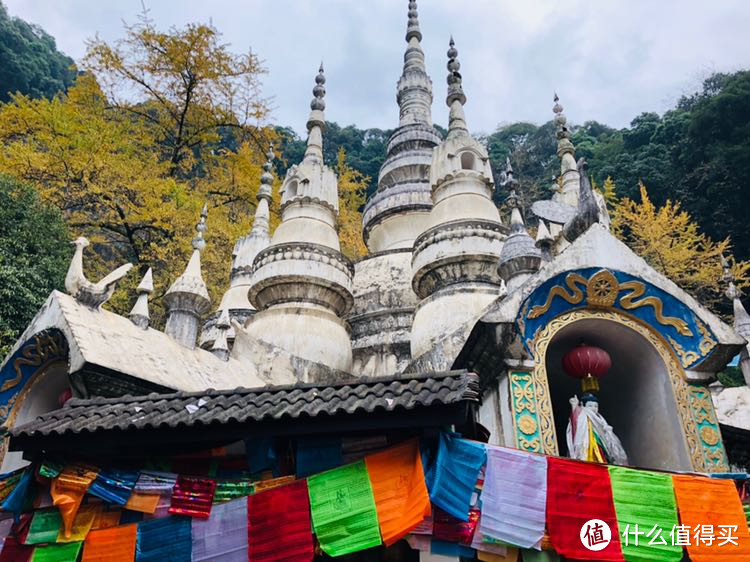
(462, 498)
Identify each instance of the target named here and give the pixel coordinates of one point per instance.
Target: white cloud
(609, 60)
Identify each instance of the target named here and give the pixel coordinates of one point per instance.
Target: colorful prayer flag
(67, 492)
(455, 471)
(278, 524)
(230, 489)
(343, 510)
(450, 529)
(645, 501)
(164, 539)
(114, 486)
(145, 503)
(317, 454)
(115, 544)
(398, 485)
(45, 525)
(193, 496)
(223, 536)
(18, 497)
(57, 552)
(81, 524)
(578, 492)
(514, 498)
(713, 506)
(14, 551)
(106, 518)
(155, 482)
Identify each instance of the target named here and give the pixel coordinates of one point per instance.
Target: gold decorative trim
(527, 424)
(637, 289)
(602, 291)
(576, 296)
(686, 357)
(676, 377)
(707, 343)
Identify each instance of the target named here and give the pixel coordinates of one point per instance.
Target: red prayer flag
(13, 551)
(193, 497)
(278, 524)
(576, 493)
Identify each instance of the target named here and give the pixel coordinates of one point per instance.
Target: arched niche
(636, 396)
(32, 380)
(645, 397)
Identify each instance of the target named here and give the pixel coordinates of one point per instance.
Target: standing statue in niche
(589, 436)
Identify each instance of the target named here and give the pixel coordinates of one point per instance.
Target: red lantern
(587, 363)
(65, 395)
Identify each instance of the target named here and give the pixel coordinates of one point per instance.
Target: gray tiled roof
(189, 409)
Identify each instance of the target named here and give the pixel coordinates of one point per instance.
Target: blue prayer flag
(318, 454)
(456, 470)
(169, 538)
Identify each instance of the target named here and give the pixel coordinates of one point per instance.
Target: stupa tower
(393, 217)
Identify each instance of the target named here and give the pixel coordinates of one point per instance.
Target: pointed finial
(456, 97)
(455, 90)
(220, 347)
(266, 179)
(316, 122)
(509, 181)
(544, 240)
(728, 277)
(198, 242)
(560, 120)
(412, 26)
(139, 314)
(319, 91)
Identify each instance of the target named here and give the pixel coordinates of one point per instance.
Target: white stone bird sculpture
(84, 291)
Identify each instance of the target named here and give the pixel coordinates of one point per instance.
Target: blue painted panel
(690, 339)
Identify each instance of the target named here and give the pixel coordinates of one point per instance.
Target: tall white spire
(456, 98)
(520, 256)
(569, 177)
(454, 260)
(235, 300)
(301, 283)
(187, 299)
(414, 95)
(397, 212)
(316, 122)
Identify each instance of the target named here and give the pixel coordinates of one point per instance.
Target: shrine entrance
(636, 396)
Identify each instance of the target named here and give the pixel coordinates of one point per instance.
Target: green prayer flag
(45, 525)
(67, 552)
(343, 510)
(645, 499)
(51, 469)
(230, 489)
(531, 555)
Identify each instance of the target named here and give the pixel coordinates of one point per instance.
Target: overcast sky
(608, 59)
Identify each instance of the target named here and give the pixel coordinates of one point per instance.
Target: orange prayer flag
(401, 497)
(81, 524)
(67, 491)
(146, 503)
(711, 509)
(273, 483)
(116, 544)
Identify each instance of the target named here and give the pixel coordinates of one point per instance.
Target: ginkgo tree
(672, 243)
(160, 123)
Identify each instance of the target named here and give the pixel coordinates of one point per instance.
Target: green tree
(34, 254)
(29, 60)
